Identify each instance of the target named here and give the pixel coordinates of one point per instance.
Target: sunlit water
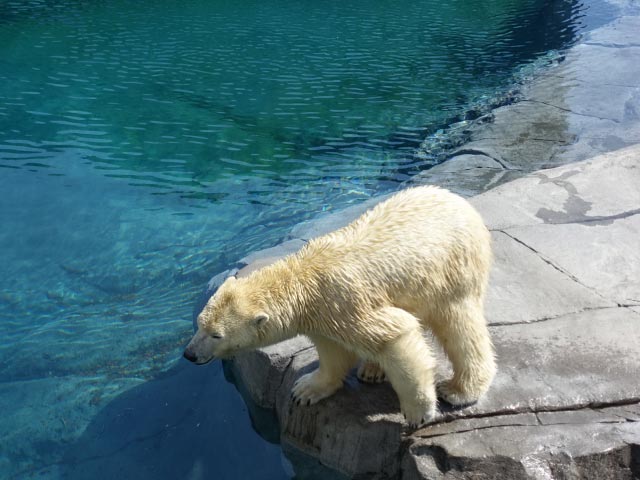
(147, 145)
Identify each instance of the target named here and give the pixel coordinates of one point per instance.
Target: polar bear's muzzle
(200, 349)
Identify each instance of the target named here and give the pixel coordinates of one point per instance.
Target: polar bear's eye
(216, 335)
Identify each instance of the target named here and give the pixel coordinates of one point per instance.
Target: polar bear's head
(231, 321)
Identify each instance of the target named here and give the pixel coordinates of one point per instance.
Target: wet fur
(418, 260)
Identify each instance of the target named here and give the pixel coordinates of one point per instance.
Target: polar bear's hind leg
(463, 333)
(409, 365)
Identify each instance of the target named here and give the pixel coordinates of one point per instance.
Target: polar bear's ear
(260, 319)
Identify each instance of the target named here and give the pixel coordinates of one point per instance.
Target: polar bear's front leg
(335, 362)
(409, 365)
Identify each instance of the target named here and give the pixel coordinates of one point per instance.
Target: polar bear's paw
(311, 388)
(419, 413)
(371, 372)
(454, 396)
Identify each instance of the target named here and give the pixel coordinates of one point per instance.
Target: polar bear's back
(432, 211)
(422, 235)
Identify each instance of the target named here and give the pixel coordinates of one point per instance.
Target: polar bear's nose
(189, 355)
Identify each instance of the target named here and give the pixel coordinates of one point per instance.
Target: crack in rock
(540, 424)
(478, 152)
(568, 110)
(557, 141)
(612, 44)
(587, 82)
(558, 268)
(554, 317)
(593, 405)
(542, 257)
(474, 429)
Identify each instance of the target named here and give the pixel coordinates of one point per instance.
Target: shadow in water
(265, 423)
(188, 424)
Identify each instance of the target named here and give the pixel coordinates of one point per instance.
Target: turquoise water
(145, 146)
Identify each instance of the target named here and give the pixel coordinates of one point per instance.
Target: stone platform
(564, 311)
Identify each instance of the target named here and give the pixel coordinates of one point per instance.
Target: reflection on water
(146, 145)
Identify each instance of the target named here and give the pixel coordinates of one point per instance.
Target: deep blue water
(145, 146)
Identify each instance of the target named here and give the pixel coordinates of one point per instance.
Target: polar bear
(418, 260)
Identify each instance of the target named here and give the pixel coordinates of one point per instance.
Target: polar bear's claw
(453, 396)
(371, 372)
(418, 415)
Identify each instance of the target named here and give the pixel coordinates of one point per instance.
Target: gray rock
(605, 186)
(464, 174)
(603, 256)
(622, 33)
(510, 205)
(560, 365)
(262, 370)
(610, 66)
(523, 136)
(467, 161)
(346, 429)
(473, 423)
(525, 288)
(577, 451)
(615, 68)
(590, 415)
(586, 105)
(573, 361)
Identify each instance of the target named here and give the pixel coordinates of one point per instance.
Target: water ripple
(276, 80)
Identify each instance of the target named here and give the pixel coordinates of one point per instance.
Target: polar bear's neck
(285, 289)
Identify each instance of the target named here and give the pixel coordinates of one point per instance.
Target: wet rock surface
(585, 105)
(563, 303)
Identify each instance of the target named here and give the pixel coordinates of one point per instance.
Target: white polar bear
(418, 260)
